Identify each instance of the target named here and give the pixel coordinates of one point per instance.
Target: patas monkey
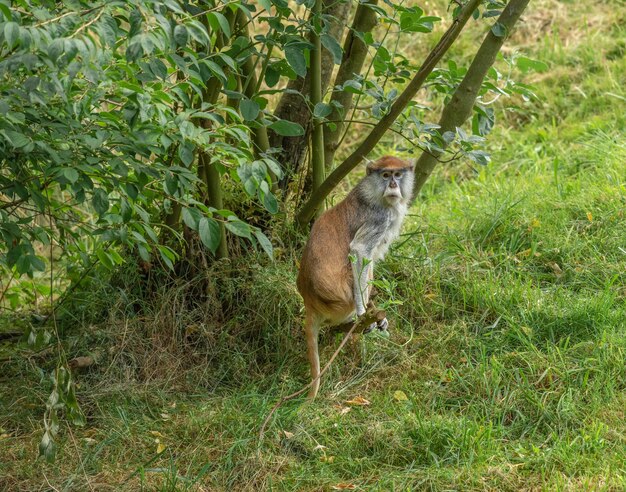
(338, 260)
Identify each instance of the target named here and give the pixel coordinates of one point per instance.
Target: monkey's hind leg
(311, 332)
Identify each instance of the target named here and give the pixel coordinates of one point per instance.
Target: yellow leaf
(344, 486)
(156, 434)
(535, 223)
(160, 448)
(287, 434)
(358, 401)
(589, 217)
(400, 396)
(327, 459)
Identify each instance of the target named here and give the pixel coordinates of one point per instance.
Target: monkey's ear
(412, 164)
(369, 166)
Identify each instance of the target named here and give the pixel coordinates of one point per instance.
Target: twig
(370, 316)
(85, 26)
(54, 19)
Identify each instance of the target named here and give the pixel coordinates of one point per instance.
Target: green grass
(509, 344)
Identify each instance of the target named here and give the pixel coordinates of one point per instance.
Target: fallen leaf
(287, 434)
(156, 434)
(319, 447)
(589, 217)
(400, 396)
(160, 447)
(327, 459)
(341, 409)
(165, 416)
(358, 401)
(344, 486)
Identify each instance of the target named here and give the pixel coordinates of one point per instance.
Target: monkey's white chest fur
(395, 218)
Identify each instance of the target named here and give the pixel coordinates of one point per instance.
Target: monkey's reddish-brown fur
(388, 162)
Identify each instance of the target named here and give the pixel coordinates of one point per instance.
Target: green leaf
(270, 203)
(266, 4)
(6, 11)
(295, 58)
(17, 139)
(134, 51)
(249, 109)
(186, 153)
(174, 6)
(265, 243)
(158, 68)
(47, 447)
(219, 22)
(287, 128)
(271, 76)
(273, 166)
(37, 263)
(11, 34)
(191, 217)
(333, 46)
(527, 64)
(180, 35)
(55, 49)
(100, 201)
(479, 157)
(104, 258)
(209, 232)
(322, 110)
(167, 255)
(498, 30)
(70, 174)
(216, 70)
(238, 227)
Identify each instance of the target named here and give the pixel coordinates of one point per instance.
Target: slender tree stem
(308, 210)
(317, 143)
(460, 106)
(354, 52)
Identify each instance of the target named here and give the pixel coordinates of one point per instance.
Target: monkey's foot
(380, 325)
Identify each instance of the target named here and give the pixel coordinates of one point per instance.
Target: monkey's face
(396, 184)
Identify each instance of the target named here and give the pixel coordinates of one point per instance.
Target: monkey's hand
(381, 325)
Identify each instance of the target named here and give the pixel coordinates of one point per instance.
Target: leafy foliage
(134, 131)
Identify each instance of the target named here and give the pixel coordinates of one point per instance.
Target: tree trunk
(459, 108)
(212, 180)
(294, 107)
(354, 53)
(307, 211)
(317, 145)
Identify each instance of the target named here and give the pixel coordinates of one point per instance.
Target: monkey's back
(325, 278)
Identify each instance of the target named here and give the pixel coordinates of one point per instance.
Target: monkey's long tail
(311, 332)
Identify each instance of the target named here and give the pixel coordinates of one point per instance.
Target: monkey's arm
(361, 249)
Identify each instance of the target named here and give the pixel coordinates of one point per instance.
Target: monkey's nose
(393, 184)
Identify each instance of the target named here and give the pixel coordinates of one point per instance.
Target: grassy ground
(505, 370)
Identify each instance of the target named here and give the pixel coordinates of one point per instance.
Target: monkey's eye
(386, 175)
(397, 174)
